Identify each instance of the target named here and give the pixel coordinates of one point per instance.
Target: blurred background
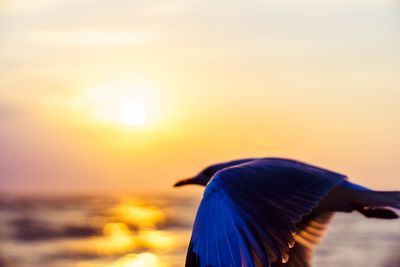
(105, 104)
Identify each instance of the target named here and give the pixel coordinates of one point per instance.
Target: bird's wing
(249, 212)
(310, 231)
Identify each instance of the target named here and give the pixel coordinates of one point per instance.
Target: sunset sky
(133, 95)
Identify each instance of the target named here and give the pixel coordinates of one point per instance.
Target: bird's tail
(378, 204)
(370, 203)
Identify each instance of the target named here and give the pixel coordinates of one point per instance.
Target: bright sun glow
(133, 113)
(126, 101)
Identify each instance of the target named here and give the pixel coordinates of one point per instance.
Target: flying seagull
(272, 211)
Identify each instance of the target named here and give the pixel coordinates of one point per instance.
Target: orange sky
(220, 80)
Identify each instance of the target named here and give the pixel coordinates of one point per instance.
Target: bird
(258, 212)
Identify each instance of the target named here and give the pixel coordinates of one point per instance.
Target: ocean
(150, 231)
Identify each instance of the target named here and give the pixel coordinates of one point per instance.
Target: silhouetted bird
(272, 212)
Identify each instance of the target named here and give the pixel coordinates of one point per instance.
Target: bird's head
(200, 179)
(205, 175)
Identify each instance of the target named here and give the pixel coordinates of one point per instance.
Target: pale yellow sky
(220, 80)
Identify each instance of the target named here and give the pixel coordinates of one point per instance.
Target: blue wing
(249, 212)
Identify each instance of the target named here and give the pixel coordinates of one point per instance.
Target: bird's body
(272, 211)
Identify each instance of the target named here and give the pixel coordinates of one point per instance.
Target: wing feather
(250, 214)
(310, 231)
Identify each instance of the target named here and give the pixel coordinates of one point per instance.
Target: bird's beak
(184, 182)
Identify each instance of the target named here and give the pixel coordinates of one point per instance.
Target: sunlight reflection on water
(136, 213)
(132, 260)
(93, 231)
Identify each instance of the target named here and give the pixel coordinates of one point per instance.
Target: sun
(133, 113)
